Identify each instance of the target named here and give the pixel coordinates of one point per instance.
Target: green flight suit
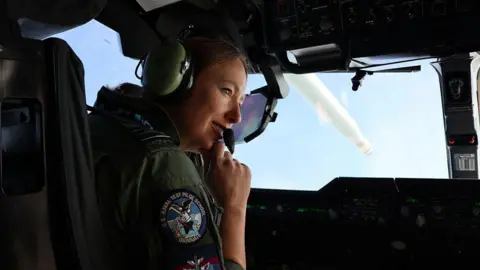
(153, 200)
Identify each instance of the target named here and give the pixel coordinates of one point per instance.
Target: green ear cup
(167, 68)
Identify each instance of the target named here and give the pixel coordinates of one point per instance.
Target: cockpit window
(400, 115)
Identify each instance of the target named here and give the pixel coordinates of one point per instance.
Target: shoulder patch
(183, 217)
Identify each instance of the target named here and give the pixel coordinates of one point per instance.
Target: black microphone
(229, 139)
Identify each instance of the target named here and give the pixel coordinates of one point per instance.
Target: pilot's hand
(229, 180)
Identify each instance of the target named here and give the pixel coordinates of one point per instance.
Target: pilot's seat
(49, 217)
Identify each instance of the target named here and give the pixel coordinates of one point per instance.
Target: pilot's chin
(206, 149)
(211, 144)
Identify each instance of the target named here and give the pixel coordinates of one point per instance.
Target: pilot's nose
(234, 116)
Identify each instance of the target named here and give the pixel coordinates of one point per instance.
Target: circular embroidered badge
(183, 217)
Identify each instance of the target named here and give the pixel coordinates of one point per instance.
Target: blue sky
(400, 114)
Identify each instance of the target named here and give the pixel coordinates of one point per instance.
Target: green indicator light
(263, 207)
(301, 210)
(411, 200)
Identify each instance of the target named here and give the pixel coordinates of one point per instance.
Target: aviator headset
(168, 67)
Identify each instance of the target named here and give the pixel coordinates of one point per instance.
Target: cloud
(344, 99)
(322, 115)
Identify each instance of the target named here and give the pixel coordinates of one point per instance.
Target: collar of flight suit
(147, 112)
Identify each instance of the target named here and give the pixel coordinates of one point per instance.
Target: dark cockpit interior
(49, 216)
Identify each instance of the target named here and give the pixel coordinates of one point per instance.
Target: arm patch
(204, 257)
(183, 217)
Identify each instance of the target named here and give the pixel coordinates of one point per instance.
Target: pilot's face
(213, 105)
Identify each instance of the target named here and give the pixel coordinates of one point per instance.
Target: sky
(400, 114)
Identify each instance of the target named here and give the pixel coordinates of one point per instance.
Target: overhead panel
(149, 5)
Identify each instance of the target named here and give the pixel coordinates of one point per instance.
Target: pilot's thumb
(217, 151)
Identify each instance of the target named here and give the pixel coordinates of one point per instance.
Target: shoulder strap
(153, 140)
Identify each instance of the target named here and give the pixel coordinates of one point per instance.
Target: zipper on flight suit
(218, 209)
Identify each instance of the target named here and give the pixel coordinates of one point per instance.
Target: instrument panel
(373, 27)
(356, 222)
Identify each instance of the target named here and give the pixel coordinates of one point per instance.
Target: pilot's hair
(207, 52)
(129, 89)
